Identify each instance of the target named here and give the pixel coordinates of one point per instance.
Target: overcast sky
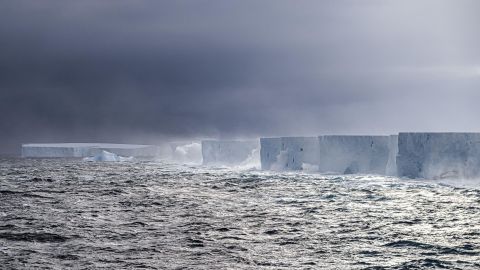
(145, 71)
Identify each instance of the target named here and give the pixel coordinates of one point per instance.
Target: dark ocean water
(61, 214)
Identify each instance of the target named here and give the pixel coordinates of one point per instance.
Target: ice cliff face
(300, 151)
(438, 155)
(288, 153)
(353, 154)
(269, 152)
(222, 152)
(391, 169)
(55, 150)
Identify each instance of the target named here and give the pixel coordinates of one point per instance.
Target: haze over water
(58, 214)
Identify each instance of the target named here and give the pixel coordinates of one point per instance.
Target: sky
(144, 71)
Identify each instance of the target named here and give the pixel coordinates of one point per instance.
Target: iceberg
(288, 153)
(80, 150)
(226, 152)
(353, 154)
(438, 155)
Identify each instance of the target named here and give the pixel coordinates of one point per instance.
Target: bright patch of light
(452, 71)
(477, 71)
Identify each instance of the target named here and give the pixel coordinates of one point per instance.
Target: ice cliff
(288, 153)
(438, 155)
(391, 169)
(353, 154)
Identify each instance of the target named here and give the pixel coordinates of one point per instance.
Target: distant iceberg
(412, 155)
(80, 150)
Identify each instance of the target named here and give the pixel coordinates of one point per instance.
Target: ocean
(72, 214)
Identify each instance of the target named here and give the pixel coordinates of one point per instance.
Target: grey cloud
(139, 70)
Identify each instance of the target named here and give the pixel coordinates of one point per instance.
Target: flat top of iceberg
(230, 141)
(451, 132)
(369, 136)
(289, 137)
(98, 145)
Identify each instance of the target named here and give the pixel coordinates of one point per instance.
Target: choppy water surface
(58, 214)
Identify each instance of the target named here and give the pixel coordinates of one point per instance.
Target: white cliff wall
(439, 155)
(353, 154)
(391, 169)
(270, 149)
(288, 153)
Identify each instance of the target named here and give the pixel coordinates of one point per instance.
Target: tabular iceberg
(79, 150)
(288, 153)
(223, 152)
(353, 154)
(438, 155)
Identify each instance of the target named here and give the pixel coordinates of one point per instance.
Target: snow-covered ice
(353, 154)
(439, 155)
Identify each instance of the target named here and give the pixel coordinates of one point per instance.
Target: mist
(156, 71)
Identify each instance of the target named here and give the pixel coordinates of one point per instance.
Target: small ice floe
(107, 156)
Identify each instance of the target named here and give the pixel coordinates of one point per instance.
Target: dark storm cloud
(146, 70)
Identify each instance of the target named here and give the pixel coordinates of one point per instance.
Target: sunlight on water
(68, 213)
